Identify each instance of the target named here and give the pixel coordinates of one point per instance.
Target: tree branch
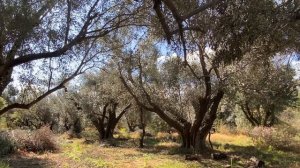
(123, 112)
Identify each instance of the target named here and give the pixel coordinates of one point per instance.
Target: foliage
(42, 140)
(30, 119)
(6, 145)
(67, 113)
(185, 90)
(104, 101)
(43, 38)
(2, 103)
(132, 119)
(214, 48)
(57, 111)
(262, 90)
(158, 125)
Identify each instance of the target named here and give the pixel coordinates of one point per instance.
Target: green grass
(178, 164)
(243, 147)
(92, 155)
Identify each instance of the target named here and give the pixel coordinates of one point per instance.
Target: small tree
(132, 118)
(263, 91)
(105, 101)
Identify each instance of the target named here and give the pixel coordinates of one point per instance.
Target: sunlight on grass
(97, 162)
(239, 139)
(178, 164)
(168, 144)
(75, 150)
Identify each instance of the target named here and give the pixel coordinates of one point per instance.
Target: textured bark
(193, 137)
(208, 122)
(106, 124)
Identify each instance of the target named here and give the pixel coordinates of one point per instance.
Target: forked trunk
(196, 138)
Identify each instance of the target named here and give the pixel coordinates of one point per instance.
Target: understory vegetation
(277, 147)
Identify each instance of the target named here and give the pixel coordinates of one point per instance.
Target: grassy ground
(77, 153)
(242, 148)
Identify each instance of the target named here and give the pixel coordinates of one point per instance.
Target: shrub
(279, 138)
(6, 145)
(40, 140)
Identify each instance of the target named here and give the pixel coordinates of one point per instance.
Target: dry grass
(236, 139)
(96, 156)
(74, 153)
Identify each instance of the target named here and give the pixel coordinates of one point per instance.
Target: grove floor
(76, 153)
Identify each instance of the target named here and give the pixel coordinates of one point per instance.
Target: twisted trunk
(194, 135)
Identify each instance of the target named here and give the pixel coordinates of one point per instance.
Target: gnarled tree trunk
(108, 120)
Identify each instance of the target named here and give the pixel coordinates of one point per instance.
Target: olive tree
(49, 37)
(104, 100)
(218, 35)
(263, 90)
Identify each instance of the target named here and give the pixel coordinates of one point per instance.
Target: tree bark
(208, 122)
(143, 125)
(5, 77)
(248, 114)
(106, 130)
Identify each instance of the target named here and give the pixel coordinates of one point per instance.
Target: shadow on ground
(18, 161)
